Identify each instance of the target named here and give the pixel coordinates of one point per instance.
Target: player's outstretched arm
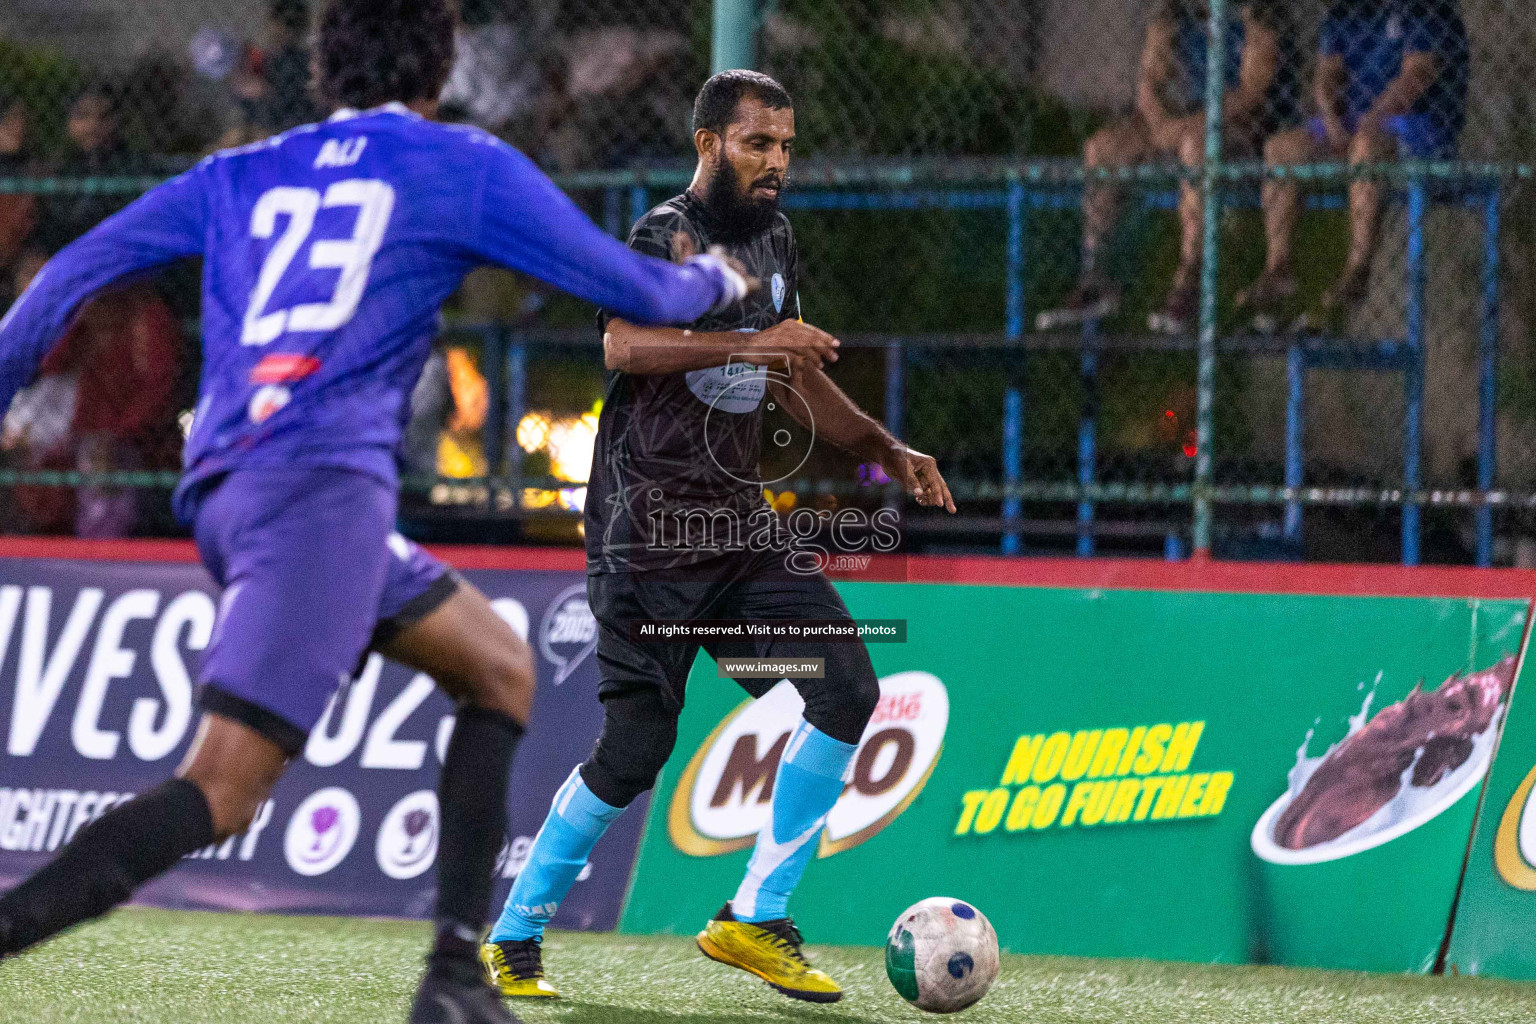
(525, 222)
(162, 226)
(834, 417)
(656, 350)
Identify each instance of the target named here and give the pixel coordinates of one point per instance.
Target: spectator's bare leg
(1368, 146)
(1282, 198)
(1191, 205)
(1282, 209)
(1179, 309)
(1123, 144)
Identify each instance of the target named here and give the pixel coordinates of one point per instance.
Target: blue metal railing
(1057, 187)
(1017, 189)
(1406, 356)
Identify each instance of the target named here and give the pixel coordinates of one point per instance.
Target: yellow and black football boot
(772, 951)
(516, 969)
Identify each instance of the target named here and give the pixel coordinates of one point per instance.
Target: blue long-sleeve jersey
(328, 251)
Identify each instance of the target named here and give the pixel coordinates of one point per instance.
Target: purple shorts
(313, 576)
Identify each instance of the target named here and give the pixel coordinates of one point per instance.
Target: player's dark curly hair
(715, 106)
(374, 51)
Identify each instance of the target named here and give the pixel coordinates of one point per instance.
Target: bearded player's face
(750, 165)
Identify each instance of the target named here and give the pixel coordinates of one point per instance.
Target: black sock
(106, 862)
(472, 800)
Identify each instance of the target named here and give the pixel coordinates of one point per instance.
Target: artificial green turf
(158, 967)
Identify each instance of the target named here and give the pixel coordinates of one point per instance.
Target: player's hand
(799, 341)
(684, 248)
(919, 475)
(754, 285)
(803, 364)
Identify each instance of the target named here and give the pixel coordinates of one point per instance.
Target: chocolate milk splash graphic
(1399, 757)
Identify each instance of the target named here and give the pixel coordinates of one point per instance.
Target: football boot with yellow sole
(772, 951)
(516, 969)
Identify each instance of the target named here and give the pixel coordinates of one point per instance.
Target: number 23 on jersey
(353, 257)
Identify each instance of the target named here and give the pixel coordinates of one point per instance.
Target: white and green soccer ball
(941, 955)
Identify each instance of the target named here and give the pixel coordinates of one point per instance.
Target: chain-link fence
(999, 204)
(1371, 150)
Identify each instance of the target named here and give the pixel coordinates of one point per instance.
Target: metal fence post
(1014, 286)
(1013, 467)
(896, 386)
(613, 217)
(1088, 438)
(493, 358)
(1013, 399)
(639, 204)
(517, 401)
(895, 406)
(1295, 430)
(1488, 344)
(1215, 89)
(735, 35)
(1413, 383)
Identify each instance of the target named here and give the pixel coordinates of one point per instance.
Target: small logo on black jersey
(778, 293)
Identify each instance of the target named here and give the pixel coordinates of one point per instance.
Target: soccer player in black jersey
(675, 487)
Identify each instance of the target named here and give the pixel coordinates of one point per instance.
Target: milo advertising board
(1498, 899)
(1210, 777)
(722, 799)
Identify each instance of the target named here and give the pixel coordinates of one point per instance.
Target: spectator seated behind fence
(621, 96)
(103, 402)
(1391, 83)
(18, 212)
(94, 148)
(1168, 124)
(501, 75)
(271, 83)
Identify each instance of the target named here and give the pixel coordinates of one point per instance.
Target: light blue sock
(577, 820)
(808, 783)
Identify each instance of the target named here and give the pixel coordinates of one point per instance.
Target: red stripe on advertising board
(1071, 573)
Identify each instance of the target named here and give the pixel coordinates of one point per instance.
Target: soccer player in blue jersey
(327, 252)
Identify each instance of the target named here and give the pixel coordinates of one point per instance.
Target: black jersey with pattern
(671, 444)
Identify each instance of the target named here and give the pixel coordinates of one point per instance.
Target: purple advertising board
(98, 669)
